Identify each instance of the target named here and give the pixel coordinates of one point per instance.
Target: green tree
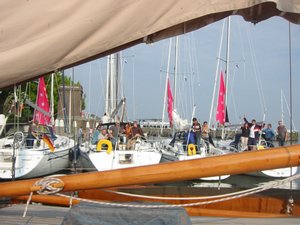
(28, 90)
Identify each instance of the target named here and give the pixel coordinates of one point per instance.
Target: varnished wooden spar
(168, 172)
(46, 199)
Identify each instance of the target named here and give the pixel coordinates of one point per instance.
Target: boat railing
(18, 139)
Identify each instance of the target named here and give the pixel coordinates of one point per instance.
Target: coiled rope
(45, 186)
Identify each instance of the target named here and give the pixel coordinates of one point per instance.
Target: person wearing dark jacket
(197, 132)
(254, 133)
(245, 136)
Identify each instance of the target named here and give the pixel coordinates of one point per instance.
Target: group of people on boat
(253, 132)
(198, 132)
(129, 133)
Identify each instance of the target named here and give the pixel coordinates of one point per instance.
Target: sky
(258, 81)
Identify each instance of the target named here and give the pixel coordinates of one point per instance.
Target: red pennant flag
(170, 104)
(220, 117)
(42, 102)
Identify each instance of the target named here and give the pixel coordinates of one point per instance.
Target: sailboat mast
(107, 97)
(176, 71)
(227, 73)
(227, 60)
(216, 76)
(52, 99)
(281, 101)
(115, 80)
(291, 91)
(64, 102)
(70, 100)
(112, 83)
(166, 86)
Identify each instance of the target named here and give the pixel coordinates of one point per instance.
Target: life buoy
(104, 142)
(191, 149)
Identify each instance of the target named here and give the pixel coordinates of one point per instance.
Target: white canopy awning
(41, 36)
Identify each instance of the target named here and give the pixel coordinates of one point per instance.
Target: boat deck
(52, 215)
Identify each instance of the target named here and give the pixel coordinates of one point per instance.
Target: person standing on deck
(96, 134)
(115, 131)
(282, 133)
(31, 134)
(245, 136)
(196, 130)
(105, 118)
(254, 133)
(205, 134)
(269, 135)
(80, 135)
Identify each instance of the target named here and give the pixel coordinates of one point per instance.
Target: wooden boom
(235, 163)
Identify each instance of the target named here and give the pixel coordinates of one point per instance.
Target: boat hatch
(125, 158)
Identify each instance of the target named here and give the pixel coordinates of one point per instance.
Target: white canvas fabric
(41, 36)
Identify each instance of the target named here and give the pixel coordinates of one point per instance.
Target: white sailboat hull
(118, 159)
(36, 161)
(214, 178)
(276, 173)
(94, 160)
(179, 154)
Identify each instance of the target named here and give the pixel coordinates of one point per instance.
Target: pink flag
(42, 102)
(220, 117)
(170, 104)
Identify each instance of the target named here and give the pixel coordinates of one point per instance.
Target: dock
(38, 214)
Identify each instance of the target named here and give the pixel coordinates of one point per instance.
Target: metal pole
(64, 102)
(291, 91)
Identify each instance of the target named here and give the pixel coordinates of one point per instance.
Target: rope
(71, 200)
(262, 188)
(47, 186)
(234, 196)
(27, 204)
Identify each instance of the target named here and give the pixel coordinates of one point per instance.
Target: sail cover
(38, 37)
(130, 213)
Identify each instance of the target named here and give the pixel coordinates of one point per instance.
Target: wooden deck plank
(36, 215)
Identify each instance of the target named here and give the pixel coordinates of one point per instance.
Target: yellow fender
(191, 149)
(260, 147)
(104, 142)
